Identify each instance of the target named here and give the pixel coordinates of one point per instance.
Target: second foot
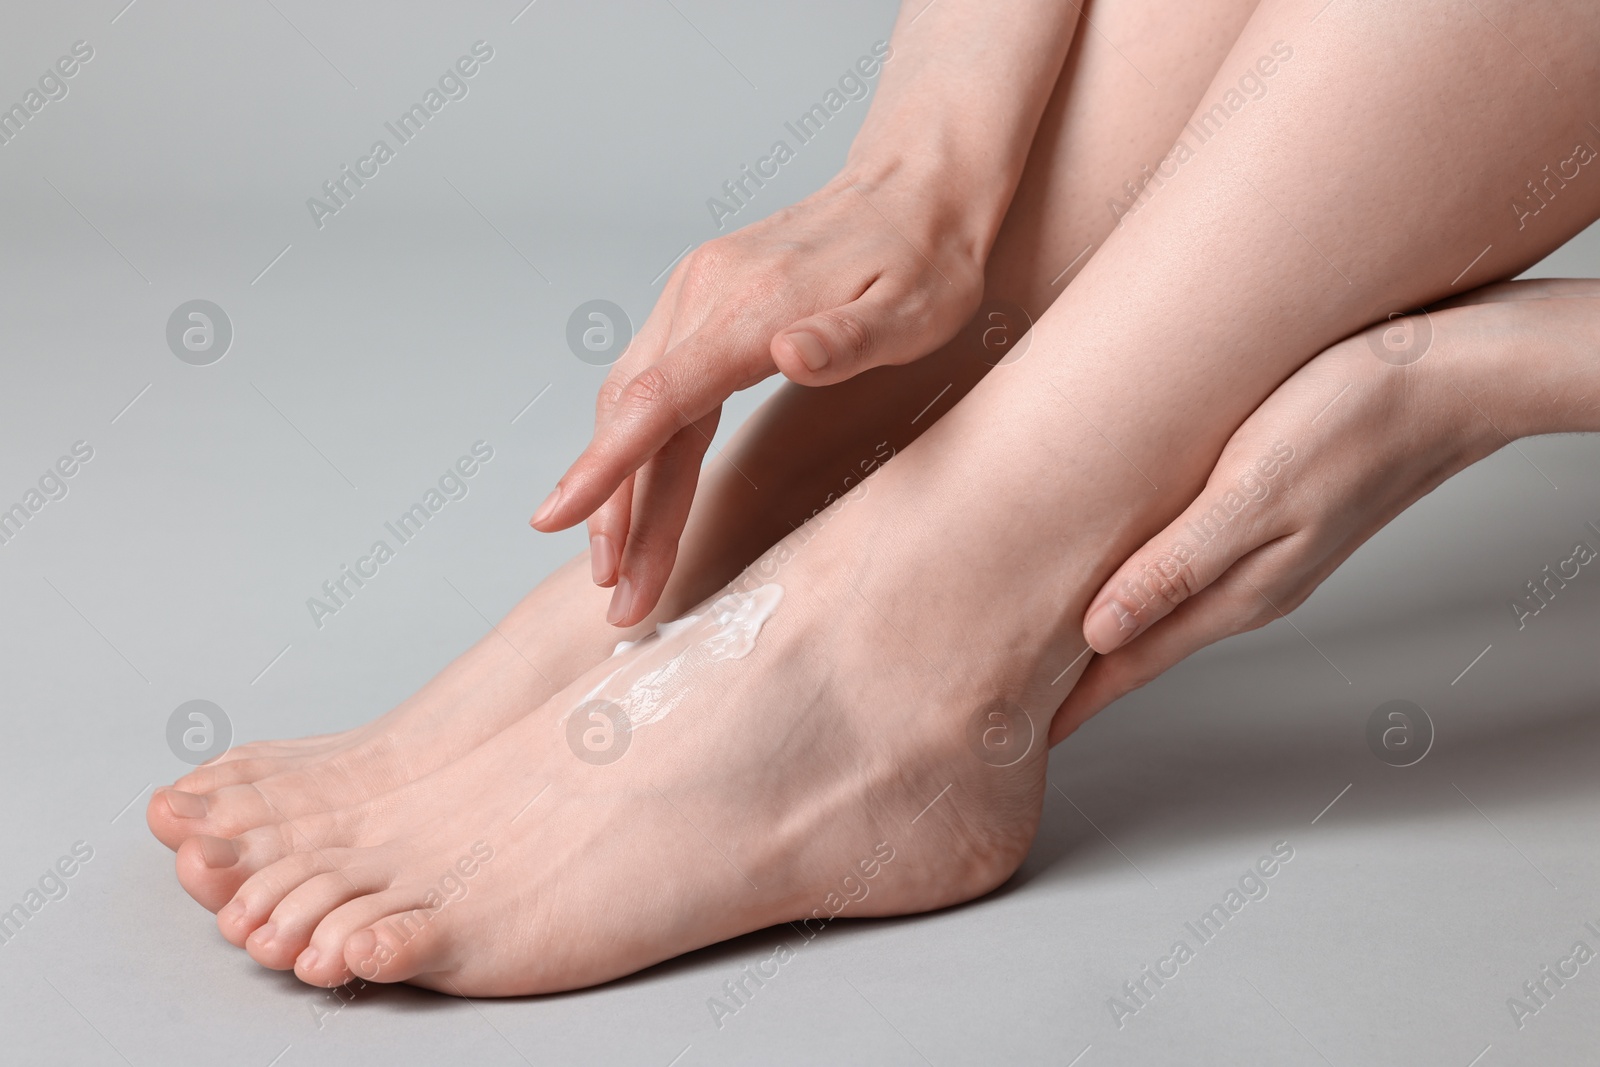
(737, 772)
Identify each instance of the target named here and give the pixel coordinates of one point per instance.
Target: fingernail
(218, 852)
(812, 351)
(186, 805)
(264, 935)
(1108, 627)
(621, 602)
(548, 507)
(306, 960)
(602, 558)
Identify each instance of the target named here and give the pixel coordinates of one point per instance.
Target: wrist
(933, 196)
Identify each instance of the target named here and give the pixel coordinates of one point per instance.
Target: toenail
(186, 805)
(306, 960)
(218, 852)
(264, 935)
(232, 913)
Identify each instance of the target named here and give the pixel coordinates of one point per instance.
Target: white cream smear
(653, 681)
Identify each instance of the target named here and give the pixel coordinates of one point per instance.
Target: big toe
(212, 776)
(175, 815)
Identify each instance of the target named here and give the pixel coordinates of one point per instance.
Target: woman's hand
(880, 267)
(818, 292)
(1338, 450)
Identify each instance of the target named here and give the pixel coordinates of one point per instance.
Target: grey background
(425, 316)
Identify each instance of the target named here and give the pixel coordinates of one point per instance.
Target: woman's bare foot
(549, 639)
(512, 669)
(858, 754)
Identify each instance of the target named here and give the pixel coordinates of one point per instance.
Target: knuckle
(641, 541)
(855, 336)
(652, 550)
(610, 393)
(919, 304)
(1158, 585)
(703, 258)
(648, 390)
(707, 265)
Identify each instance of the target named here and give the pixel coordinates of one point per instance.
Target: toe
(209, 869)
(313, 746)
(175, 815)
(323, 961)
(399, 947)
(212, 776)
(278, 942)
(261, 893)
(212, 869)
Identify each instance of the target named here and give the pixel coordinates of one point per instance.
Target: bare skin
(1103, 122)
(880, 266)
(1347, 443)
(961, 578)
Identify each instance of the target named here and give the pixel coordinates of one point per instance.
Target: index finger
(695, 377)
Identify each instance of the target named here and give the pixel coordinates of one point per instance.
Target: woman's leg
(1126, 89)
(1134, 74)
(845, 764)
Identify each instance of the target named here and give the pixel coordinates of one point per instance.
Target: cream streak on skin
(652, 682)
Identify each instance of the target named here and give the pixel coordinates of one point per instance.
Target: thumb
(1178, 563)
(877, 328)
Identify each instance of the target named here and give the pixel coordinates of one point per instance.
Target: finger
(608, 526)
(663, 494)
(664, 327)
(1221, 526)
(888, 324)
(689, 382)
(645, 348)
(1236, 602)
(608, 533)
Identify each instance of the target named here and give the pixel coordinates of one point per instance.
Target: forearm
(957, 105)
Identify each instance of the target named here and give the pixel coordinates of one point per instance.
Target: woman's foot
(547, 640)
(864, 752)
(761, 795)
(510, 670)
